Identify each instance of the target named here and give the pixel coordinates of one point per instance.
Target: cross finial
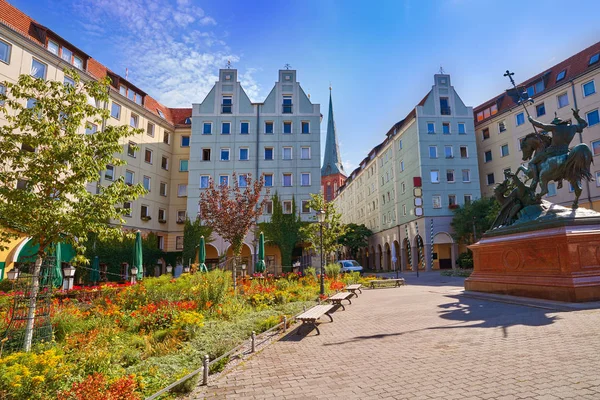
(442, 70)
(287, 66)
(228, 64)
(510, 76)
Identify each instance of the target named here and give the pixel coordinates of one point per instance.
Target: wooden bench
(386, 282)
(354, 288)
(311, 316)
(337, 298)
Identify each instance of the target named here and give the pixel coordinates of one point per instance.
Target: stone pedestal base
(561, 263)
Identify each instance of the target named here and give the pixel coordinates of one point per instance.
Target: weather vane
(287, 66)
(228, 64)
(442, 70)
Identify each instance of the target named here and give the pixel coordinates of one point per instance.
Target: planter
(146, 218)
(162, 221)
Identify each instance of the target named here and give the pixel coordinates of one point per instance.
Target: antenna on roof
(126, 73)
(287, 66)
(441, 71)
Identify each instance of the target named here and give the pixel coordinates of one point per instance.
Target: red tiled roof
(18, 21)
(179, 115)
(574, 66)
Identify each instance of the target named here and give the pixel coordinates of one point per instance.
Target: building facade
(408, 185)
(501, 123)
(332, 171)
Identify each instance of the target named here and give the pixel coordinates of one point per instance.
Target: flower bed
(129, 341)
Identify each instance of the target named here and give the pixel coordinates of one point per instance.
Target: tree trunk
(35, 287)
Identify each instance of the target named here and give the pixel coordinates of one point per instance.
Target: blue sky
(380, 56)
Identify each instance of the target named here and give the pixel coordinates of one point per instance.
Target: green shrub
(465, 260)
(351, 277)
(332, 271)
(310, 271)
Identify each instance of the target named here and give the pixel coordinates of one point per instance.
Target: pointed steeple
(332, 163)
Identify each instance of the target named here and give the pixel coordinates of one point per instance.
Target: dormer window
(561, 75)
(160, 113)
(594, 59)
(66, 54)
(53, 47)
(123, 91)
(287, 105)
(226, 105)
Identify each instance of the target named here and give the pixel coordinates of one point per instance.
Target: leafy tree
(150, 251)
(284, 229)
(333, 228)
(192, 231)
(232, 210)
(481, 212)
(47, 163)
(356, 237)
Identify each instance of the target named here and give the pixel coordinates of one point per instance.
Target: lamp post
(169, 269)
(13, 274)
(133, 276)
(69, 273)
(321, 219)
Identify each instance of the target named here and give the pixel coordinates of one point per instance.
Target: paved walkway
(427, 341)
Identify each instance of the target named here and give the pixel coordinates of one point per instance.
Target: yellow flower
(38, 379)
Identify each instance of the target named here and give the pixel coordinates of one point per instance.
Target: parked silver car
(350, 266)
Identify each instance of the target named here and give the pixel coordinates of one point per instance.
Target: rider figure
(562, 135)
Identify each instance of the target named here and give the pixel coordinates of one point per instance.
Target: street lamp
(69, 273)
(133, 272)
(13, 274)
(169, 268)
(321, 219)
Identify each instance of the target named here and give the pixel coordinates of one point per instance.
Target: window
(52, 47)
(38, 69)
(444, 106)
(244, 128)
(468, 199)
(487, 156)
(287, 127)
(68, 81)
(594, 59)
(243, 154)
(204, 179)
(133, 121)
(185, 141)
(501, 126)
(461, 129)
(164, 163)
(131, 149)
(162, 215)
(305, 179)
(181, 216)
(78, 63)
(485, 133)
(401, 165)
(162, 189)
(224, 180)
(466, 175)
(269, 127)
(268, 153)
(5, 50)
(487, 112)
(224, 154)
(150, 129)
(551, 189)
(490, 179)
(464, 152)
(67, 54)
(598, 178)
(146, 182)
(592, 117)
(450, 175)
(540, 109)
(148, 156)
(287, 180)
(305, 127)
(167, 138)
(446, 128)
(129, 177)
(109, 173)
(430, 127)
(242, 180)
(305, 207)
(437, 201)
(268, 207)
(520, 119)
(432, 151)
(182, 190)
(207, 128)
(403, 187)
(90, 128)
(400, 144)
(504, 150)
(588, 88)
(115, 110)
(127, 207)
(268, 180)
(596, 148)
(287, 153)
(448, 152)
(287, 105)
(305, 153)
(31, 103)
(225, 128)
(506, 171)
(561, 75)
(226, 105)
(183, 165)
(435, 176)
(287, 207)
(122, 90)
(206, 154)
(563, 100)
(179, 243)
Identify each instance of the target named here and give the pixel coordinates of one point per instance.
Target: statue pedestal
(557, 263)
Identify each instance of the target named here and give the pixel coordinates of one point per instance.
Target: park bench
(353, 288)
(337, 298)
(312, 315)
(387, 282)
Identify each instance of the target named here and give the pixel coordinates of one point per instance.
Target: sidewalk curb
(531, 302)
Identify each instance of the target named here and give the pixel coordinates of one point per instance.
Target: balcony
(445, 110)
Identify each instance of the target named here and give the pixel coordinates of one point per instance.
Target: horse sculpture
(572, 166)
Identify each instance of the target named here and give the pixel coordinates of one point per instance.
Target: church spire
(332, 163)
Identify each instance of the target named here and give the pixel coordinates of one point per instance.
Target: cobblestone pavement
(427, 341)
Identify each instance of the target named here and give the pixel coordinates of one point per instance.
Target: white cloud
(170, 49)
